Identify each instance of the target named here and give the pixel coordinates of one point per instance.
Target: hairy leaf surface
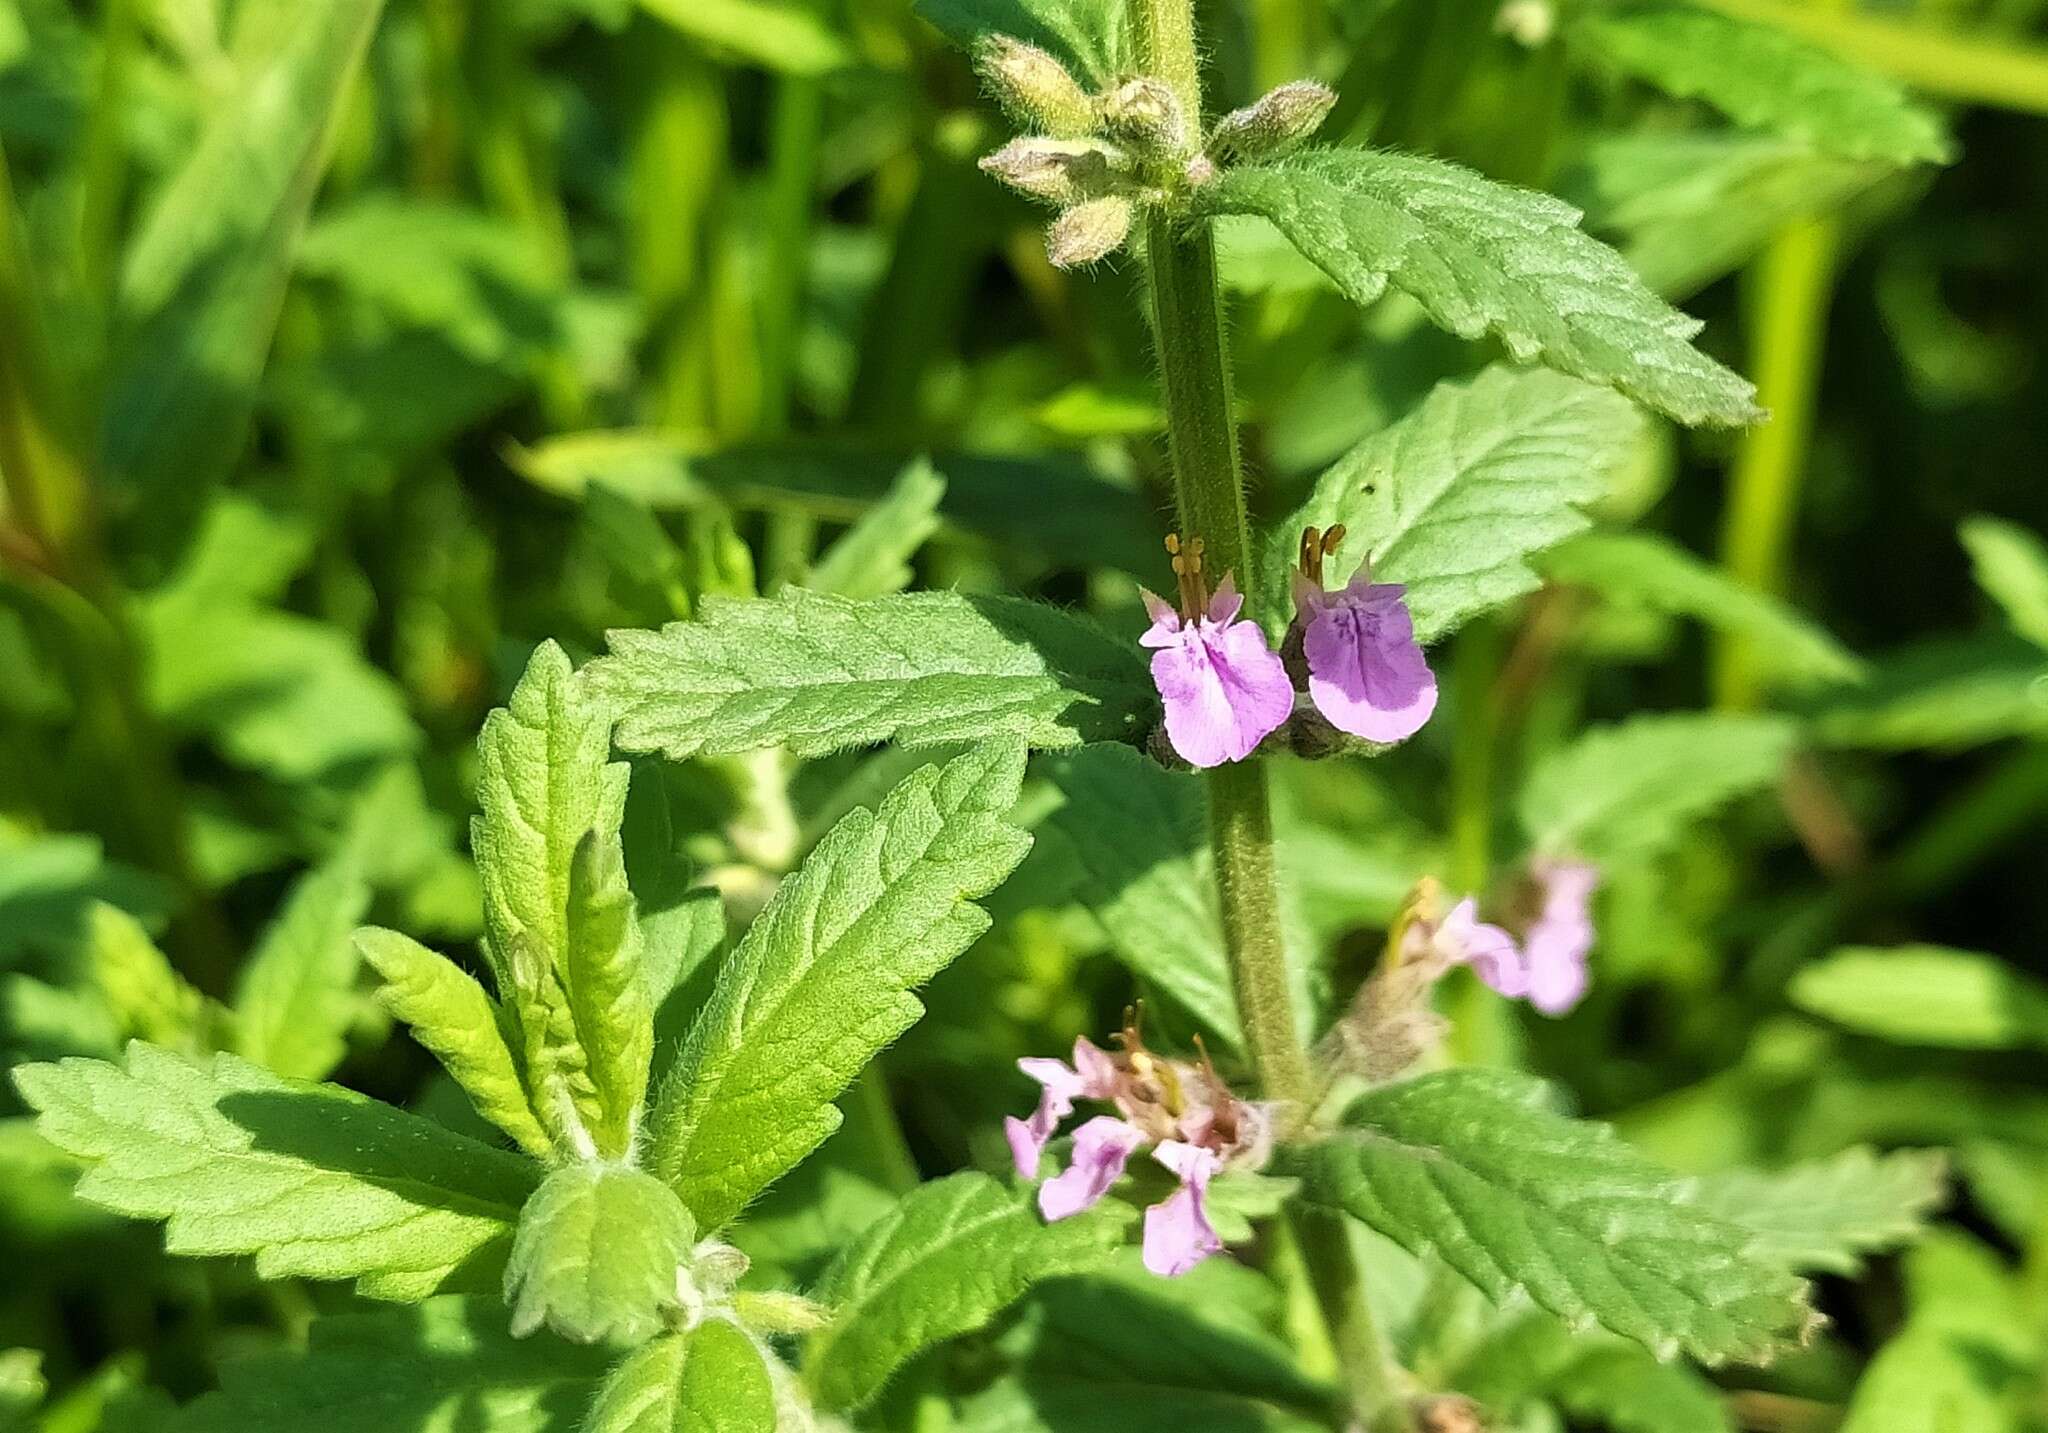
(297, 996)
(708, 1380)
(596, 1253)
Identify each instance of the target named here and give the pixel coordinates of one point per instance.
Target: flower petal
(1561, 936)
(1489, 950)
(1028, 1138)
(1178, 1235)
(1225, 691)
(1367, 674)
(1101, 1148)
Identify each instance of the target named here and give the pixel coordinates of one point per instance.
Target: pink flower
(1557, 941)
(1194, 1125)
(1178, 1234)
(1366, 671)
(1225, 690)
(1461, 938)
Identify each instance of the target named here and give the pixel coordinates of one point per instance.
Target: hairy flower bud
(1275, 123)
(1033, 87)
(1088, 231)
(1059, 171)
(1145, 114)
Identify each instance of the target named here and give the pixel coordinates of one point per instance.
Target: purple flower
(1557, 941)
(1192, 1122)
(1461, 938)
(1366, 671)
(1178, 1234)
(1225, 690)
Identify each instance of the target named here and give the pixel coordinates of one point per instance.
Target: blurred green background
(349, 349)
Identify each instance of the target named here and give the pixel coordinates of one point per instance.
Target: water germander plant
(1439, 1238)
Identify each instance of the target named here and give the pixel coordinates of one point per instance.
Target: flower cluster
(1546, 966)
(1193, 1124)
(1104, 158)
(1226, 690)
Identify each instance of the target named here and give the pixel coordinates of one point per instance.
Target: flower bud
(1033, 87)
(1060, 171)
(1275, 123)
(1089, 231)
(1146, 114)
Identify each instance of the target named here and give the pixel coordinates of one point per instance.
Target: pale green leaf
(949, 1258)
(1933, 1380)
(1622, 1388)
(296, 998)
(313, 1180)
(1648, 570)
(1763, 78)
(596, 1254)
(204, 278)
(709, 1380)
(1825, 1215)
(147, 997)
(872, 558)
(546, 784)
(818, 673)
(22, 1385)
(2012, 565)
(1946, 694)
(450, 1015)
(1090, 37)
(446, 1364)
(1628, 789)
(1477, 1168)
(1687, 206)
(1454, 498)
(782, 35)
(606, 983)
(1927, 995)
(822, 980)
(1484, 258)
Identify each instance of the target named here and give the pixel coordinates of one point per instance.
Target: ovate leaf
(823, 978)
(449, 1013)
(1454, 498)
(1485, 258)
(297, 996)
(872, 558)
(1763, 78)
(314, 1181)
(1927, 995)
(596, 1254)
(448, 1363)
(1628, 789)
(818, 673)
(1475, 1167)
(560, 922)
(2012, 565)
(945, 1261)
(708, 1380)
(1090, 37)
(1646, 569)
(1825, 1215)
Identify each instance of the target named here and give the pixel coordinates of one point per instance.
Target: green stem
(1794, 283)
(1370, 1376)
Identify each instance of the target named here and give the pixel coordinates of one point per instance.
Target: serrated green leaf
(818, 673)
(872, 558)
(1927, 995)
(149, 1000)
(1475, 1166)
(296, 998)
(313, 1180)
(1942, 695)
(448, 1363)
(596, 1254)
(547, 787)
(822, 980)
(1629, 788)
(449, 1013)
(709, 1380)
(949, 1258)
(2011, 565)
(1652, 571)
(1763, 78)
(1484, 258)
(204, 279)
(1090, 37)
(1454, 497)
(1825, 1215)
